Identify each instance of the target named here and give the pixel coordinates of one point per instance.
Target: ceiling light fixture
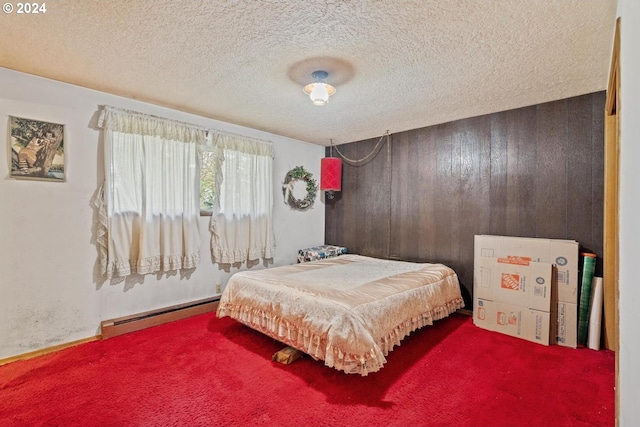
(319, 91)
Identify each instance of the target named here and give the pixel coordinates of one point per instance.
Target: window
(149, 205)
(242, 224)
(160, 175)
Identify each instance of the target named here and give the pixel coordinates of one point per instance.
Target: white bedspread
(349, 311)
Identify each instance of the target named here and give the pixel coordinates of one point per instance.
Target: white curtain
(149, 204)
(242, 223)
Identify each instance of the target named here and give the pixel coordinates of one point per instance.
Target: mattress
(349, 311)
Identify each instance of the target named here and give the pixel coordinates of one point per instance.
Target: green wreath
(299, 174)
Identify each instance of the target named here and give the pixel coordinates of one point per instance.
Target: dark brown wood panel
(373, 222)
(447, 199)
(551, 171)
(424, 143)
(474, 136)
(402, 202)
(521, 172)
(597, 172)
(579, 171)
(536, 171)
(497, 185)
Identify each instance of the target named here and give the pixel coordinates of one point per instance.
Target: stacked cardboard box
(527, 309)
(513, 296)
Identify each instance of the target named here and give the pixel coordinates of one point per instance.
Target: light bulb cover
(319, 91)
(319, 95)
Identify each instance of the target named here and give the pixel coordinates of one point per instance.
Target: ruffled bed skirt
(318, 347)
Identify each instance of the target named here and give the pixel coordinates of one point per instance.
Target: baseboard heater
(136, 322)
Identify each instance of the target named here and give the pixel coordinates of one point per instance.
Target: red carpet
(205, 371)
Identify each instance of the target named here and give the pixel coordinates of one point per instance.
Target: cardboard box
(513, 320)
(514, 281)
(563, 254)
(564, 330)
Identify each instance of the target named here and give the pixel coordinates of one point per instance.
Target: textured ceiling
(397, 65)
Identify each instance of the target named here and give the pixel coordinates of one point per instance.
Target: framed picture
(37, 149)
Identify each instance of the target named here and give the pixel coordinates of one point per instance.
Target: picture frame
(37, 149)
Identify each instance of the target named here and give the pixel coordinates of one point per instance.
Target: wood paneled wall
(533, 172)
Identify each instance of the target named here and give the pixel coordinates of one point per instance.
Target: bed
(349, 311)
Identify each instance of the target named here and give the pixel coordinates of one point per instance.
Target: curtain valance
(242, 144)
(135, 123)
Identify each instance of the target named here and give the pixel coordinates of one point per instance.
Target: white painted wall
(629, 306)
(50, 289)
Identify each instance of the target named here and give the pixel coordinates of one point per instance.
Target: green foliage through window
(207, 182)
